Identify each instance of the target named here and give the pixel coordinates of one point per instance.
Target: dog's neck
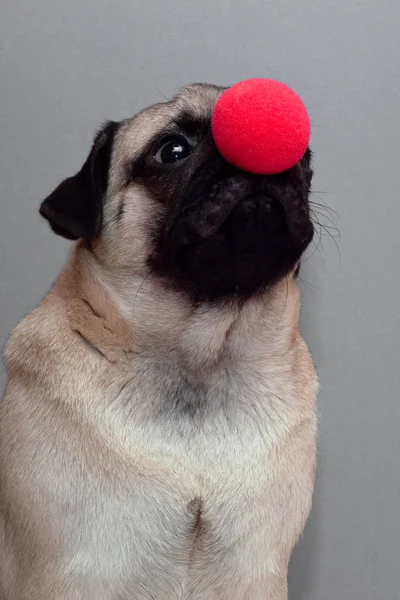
(145, 317)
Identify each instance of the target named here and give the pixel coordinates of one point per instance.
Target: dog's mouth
(234, 234)
(225, 195)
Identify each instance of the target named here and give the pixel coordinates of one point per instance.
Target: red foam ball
(261, 126)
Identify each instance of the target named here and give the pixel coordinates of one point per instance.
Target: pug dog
(157, 433)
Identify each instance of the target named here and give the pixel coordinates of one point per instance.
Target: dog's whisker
(138, 292)
(332, 225)
(286, 300)
(324, 208)
(310, 285)
(163, 95)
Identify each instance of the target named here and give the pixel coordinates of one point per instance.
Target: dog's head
(155, 195)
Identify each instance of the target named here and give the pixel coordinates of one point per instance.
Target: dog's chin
(231, 252)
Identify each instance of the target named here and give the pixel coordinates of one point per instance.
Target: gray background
(66, 66)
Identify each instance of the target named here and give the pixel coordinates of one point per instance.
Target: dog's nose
(261, 126)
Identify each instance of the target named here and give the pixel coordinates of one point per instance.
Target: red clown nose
(261, 126)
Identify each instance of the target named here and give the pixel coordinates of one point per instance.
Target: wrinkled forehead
(194, 103)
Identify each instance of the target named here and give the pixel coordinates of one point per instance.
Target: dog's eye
(173, 149)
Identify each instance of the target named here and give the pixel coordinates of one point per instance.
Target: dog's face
(155, 196)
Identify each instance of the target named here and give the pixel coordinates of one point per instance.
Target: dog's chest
(193, 479)
(200, 429)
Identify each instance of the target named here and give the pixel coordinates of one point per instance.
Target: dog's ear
(75, 208)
